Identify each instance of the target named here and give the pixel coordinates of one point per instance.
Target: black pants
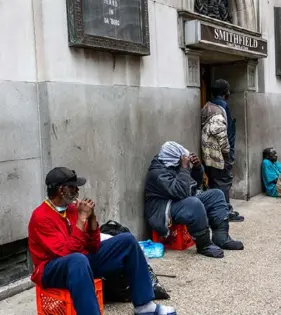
(221, 179)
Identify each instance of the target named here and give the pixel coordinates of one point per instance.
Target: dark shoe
(233, 245)
(212, 251)
(235, 217)
(205, 246)
(222, 239)
(159, 291)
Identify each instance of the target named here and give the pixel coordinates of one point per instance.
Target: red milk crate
(59, 302)
(179, 238)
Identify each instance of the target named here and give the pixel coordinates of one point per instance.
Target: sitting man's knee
(217, 193)
(191, 201)
(193, 214)
(78, 268)
(194, 203)
(77, 258)
(126, 238)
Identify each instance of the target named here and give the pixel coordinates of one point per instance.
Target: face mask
(58, 208)
(61, 209)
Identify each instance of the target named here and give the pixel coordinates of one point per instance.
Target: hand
(185, 162)
(194, 159)
(92, 220)
(85, 209)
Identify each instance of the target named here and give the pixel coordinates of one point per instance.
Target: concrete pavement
(245, 283)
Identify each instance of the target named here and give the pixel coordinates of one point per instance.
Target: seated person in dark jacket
(172, 195)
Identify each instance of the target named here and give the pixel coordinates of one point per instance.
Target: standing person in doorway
(218, 143)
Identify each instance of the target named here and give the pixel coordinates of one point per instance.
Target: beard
(68, 198)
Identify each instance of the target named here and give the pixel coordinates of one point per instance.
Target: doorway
(237, 74)
(205, 96)
(205, 83)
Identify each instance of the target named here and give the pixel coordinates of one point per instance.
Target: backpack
(115, 286)
(113, 228)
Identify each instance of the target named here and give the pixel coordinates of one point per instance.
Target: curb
(15, 288)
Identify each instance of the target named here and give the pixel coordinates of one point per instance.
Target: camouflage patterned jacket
(214, 141)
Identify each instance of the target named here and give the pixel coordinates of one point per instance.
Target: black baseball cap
(62, 176)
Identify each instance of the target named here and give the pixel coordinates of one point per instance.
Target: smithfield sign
(207, 36)
(234, 40)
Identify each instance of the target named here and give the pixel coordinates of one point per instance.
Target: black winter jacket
(165, 185)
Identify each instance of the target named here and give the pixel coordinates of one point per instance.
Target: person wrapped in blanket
(67, 253)
(271, 170)
(172, 195)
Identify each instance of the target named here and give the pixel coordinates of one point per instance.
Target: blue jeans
(75, 272)
(198, 212)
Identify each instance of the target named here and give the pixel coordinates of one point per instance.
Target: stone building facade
(106, 114)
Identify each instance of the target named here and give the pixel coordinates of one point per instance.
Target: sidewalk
(246, 283)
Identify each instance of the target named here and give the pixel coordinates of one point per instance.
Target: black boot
(205, 246)
(234, 216)
(222, 239)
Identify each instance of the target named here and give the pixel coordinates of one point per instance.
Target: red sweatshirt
(50, 235)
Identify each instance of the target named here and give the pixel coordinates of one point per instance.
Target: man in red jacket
(64, 242)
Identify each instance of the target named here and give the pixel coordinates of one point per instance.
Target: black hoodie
(165, 185)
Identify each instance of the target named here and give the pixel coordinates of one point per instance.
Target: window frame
(78, 38)
(277, 32)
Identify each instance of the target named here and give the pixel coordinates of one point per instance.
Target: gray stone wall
(264, 131)
(113, 119)
(20, 166)
(110, 134)
(240, 175)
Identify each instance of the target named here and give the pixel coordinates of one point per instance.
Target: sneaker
(160, 309)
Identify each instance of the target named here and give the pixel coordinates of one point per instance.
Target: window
(277, 26)
(112, 25)
(216, 9)
(15, 262)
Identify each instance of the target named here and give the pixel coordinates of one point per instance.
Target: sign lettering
(114, 19)
(236, 39)
(233, 39)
